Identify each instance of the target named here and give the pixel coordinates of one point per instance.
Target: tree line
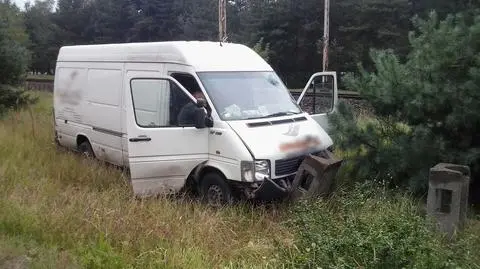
(289, 32)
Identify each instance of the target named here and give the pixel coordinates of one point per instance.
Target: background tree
(293, 29)
(198, 20)
(156, 21)
(42, 33)
(112, 21)
(359, 26)
(73, 19)
(427, 107)
(13, 56)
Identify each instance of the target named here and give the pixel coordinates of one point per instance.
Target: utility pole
(222, 21)
(326, 34)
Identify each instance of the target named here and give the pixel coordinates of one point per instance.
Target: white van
(133, 105)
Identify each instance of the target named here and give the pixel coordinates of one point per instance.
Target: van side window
(187, 81)
(184, 110)
(156, 101)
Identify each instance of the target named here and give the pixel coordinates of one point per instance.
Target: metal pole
(326, 34)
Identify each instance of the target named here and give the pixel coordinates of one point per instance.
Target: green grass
(60, 201)
(368, 227)
(58, 210)
(21, 252)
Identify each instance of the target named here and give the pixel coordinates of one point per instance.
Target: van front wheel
(215, 191)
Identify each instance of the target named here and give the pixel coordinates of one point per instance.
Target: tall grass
(86, 211)
(58, 210)
(367, 226)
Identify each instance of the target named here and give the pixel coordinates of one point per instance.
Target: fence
(45, 85)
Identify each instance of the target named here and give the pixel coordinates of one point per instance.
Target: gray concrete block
(447, 201)
(315, 176)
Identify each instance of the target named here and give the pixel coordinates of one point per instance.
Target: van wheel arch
(210, 169)
(195, 178)
(84, 146)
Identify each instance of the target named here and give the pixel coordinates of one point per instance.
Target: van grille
(287, 166)
(291, 165)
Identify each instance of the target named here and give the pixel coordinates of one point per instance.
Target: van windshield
(248, 95)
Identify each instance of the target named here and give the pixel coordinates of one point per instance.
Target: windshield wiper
(278, 114)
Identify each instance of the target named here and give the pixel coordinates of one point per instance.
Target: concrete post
(315, 176)
(447, 200)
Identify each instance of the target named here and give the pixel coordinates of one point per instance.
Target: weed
(368, 227)
(58, 210)
(60, 200)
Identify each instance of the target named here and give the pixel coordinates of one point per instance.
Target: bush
(369, 228)
(427, 108)
(13, 60)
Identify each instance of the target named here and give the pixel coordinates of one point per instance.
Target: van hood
(282, 137)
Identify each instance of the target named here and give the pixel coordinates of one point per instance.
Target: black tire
(86, 150)
(215, 191)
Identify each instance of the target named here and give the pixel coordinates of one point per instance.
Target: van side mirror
(209, 122)
(200, 118)
(203, 120)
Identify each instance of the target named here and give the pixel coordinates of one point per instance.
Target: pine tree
(427, 107)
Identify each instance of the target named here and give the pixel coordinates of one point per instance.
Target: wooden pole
(326, 34)
(222, 20)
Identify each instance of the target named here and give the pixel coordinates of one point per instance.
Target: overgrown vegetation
(13, 58)
(57, 201)
(367, 226)
(58, 210)
(427, 107)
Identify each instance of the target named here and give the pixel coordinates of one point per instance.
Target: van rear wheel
(215, 191)
(86, 149)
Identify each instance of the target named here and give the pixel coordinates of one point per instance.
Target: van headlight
(257, 170)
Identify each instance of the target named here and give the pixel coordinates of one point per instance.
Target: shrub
(427, 108)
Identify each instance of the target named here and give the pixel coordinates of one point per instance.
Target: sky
(20, 3)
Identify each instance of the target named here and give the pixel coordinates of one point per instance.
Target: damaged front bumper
(315, 176)
(270, 190)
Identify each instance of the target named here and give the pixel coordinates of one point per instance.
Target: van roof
(201, 55)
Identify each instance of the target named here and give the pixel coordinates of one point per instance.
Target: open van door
(319, 97)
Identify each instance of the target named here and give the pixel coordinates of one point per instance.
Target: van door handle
(140, 139)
